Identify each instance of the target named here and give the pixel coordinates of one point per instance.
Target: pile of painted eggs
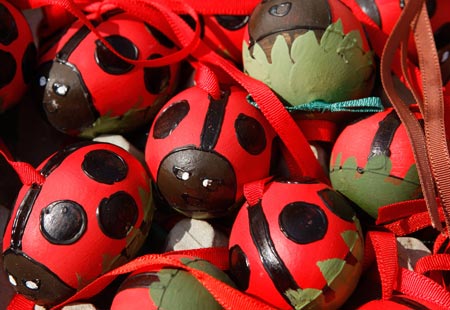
(197, 149)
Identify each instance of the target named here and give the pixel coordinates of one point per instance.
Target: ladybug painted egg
(201, 151)
(91, 214)
(169, 288)
(87, 90)
(309, 50)
(299, 247)
(18, 55)
(372, 163)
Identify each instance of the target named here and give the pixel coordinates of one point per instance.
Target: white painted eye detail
(12, 280)
(60, 89)
(32, 285)
(210, 184)
(445, 56)
(181, 174)
(42, 81)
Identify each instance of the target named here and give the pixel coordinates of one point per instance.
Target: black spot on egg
(8, 69)
(111, 63)
(170, 118)
(63, 222)
(8, 27)
(156, 79)
(117, 215)
(239, 267)
(337, 204)
(303, 222)
(250, 134)
(104, 166)
(232, 22)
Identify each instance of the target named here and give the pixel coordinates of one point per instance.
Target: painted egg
(309, 50)
(169, 288)
(18, 55)
(299, 247)
(91, 214)
(86, 90)
(372, 163)
(201, 151)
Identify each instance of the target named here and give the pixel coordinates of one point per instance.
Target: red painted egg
(169, 288)
(201, 151)
(87, 90)
(300, 246)
(18, 55)
(372, 163)
(91, 214)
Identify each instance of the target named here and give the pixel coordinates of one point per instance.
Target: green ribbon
(363, 105)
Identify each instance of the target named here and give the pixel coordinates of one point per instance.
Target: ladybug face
(202, 179)
(372, 163)
(294, 18)
(95, 200)
(17, 55)
(79, 75)
(201, 151)
(295, 246)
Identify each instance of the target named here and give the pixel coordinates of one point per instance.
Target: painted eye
(170, 118)
(117, 215)
(156, 79)
(12, 280)
(63, 222)
(232, 22)
(8, 26)
(303, 222)
(239, 267)
(104, 166)
(337, 204)
(33, 285)
(250, 134)
(60, 89)
(111, 63)
(211, 185)
(444, 56)
(8, 70)
(181, 174)
(281, 9)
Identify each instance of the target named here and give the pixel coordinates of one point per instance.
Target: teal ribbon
(363, 105)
